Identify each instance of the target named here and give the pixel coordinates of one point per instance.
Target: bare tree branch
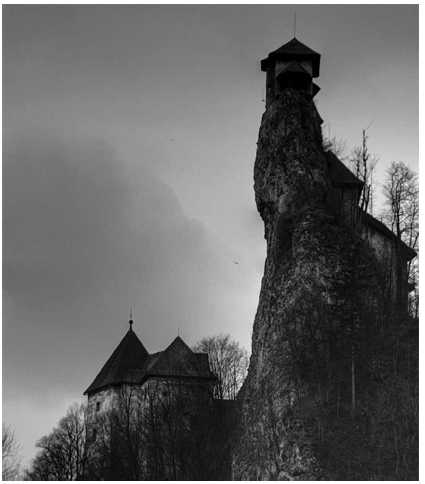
(11, 458)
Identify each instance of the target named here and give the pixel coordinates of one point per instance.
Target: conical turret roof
(129, 356)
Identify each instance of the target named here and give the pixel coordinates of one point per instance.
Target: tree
(229, 362)
(10, 454)
(402, 200)
(120, 441)
(65, 452)
(167, 430)
(337, 146)
(363, 165)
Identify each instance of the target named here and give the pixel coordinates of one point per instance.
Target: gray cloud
(72, 213)
(176, 91)
(62, 203)
(85, 238)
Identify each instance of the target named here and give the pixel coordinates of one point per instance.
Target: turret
(294, 65)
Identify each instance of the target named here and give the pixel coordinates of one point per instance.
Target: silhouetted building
(293, 65)
(131, 367)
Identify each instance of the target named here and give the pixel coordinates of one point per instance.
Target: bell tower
(293, 65)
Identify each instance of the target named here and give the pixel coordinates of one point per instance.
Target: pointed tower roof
(179, 360)
(294, 49)
(125, 364)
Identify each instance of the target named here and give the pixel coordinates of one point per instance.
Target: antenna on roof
(295, 23)
(131, 317)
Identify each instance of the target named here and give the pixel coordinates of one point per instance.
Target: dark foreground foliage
(181, 436)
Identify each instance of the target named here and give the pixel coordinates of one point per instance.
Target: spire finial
(131, 318)
(295, 24)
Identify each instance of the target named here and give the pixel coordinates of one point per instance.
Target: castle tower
(157, 401)
(303, 298)
(293, 65)
(124, 366)
(131, 366)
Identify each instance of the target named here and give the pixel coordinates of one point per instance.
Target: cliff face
(318, 294)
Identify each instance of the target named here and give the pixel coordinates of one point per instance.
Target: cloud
(73, 215)
(87, 236)
(61, 201)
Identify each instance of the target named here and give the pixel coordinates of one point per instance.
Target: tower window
(97, 406)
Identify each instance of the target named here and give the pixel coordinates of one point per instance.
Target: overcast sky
(129, 138)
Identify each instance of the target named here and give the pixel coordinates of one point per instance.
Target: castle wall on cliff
(321, 293)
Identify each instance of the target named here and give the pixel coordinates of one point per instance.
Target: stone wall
(102, 400)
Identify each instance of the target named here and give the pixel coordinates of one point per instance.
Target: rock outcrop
(319, 295)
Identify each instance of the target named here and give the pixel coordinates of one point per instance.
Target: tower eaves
(294, 49)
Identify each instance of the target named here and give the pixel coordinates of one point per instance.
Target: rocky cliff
(318, 301)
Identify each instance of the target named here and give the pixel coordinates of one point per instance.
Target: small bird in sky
(234, 262)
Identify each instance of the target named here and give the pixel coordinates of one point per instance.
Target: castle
(332, 272)
(153, 416)
(321, 296)
(131, 367)
(294, 66)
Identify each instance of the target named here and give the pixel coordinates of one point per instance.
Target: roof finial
(131, 317)
(295, 23)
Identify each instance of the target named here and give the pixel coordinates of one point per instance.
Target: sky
(129, 139)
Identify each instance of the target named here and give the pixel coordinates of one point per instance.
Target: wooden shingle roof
(131, 363)
(340, 174)
(179, 360)
(294, 50)
(129, 355)
(379, 226)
